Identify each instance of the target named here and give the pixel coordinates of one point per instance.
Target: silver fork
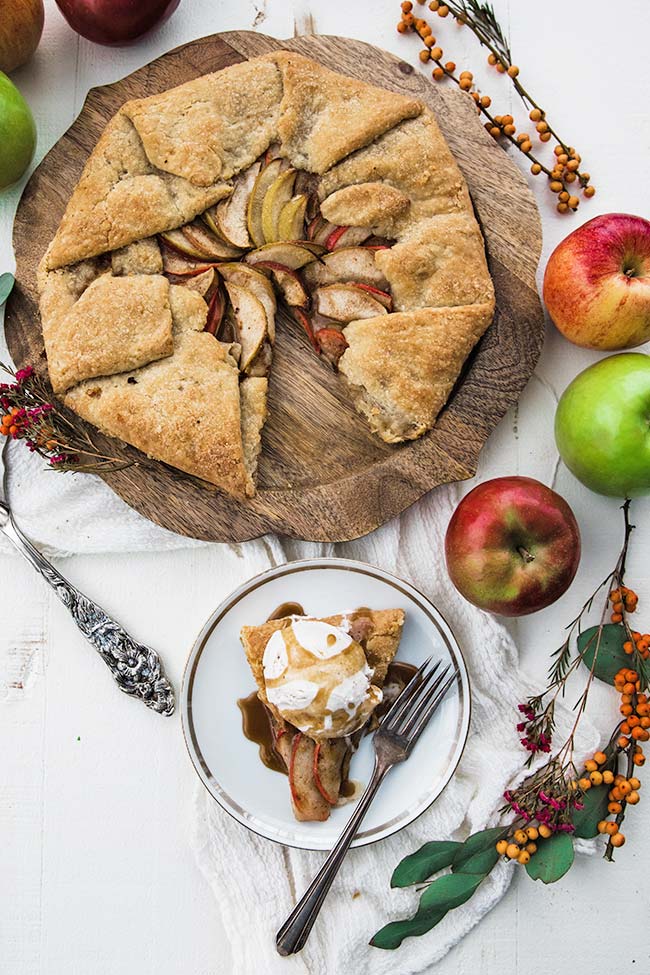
(136, 668)
(394, 741)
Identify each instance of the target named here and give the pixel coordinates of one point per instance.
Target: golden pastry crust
(211, 127)
(140, 257)
(380, 646)
(325, 116)
(116, 324)
(440, 262)
(183, 410)
(402, 367)
(375, 205)
(414, 158)
(253, 394)
(121, 198)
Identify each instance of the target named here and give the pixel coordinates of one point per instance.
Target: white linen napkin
(256, 882)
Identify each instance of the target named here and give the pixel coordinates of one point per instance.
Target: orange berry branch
(27, 414)
(480, 19)
(555, 803)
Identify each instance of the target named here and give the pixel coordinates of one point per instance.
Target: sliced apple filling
(269, 237)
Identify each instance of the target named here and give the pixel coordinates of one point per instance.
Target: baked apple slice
(291, 255)
(230, 214)
(276, 197)
(291, 222)
(347, 264)
(304, 321)
(216, 312)
(255, 281)
(320, 230)
(308, 802)
(328, 763)
(347, 237)
(332, 344)
(267, 175)
(250, 320)
(382, 296)
(287, 282)
(177, 241)
(204, 283)
(210, 247)
(346, 303)
(178, 264)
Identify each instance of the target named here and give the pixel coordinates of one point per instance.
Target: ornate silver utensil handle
(137, 669)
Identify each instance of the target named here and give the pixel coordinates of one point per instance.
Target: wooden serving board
(322, 474)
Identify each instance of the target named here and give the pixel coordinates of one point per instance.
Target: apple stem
(525, 554)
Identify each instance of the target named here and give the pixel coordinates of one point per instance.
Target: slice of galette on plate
(320, 682)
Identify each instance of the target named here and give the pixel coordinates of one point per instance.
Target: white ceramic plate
(217, 674)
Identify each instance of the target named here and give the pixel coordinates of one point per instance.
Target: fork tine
(418, 703)
(408, 691)
(431, 708)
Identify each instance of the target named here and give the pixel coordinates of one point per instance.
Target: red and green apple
(512, 546)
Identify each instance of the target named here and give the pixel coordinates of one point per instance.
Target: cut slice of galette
(320, 681)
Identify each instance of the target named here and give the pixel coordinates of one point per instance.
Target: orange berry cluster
(566, 168)
(522, 844)
(623, 601)
(10, 424)
(636, 713)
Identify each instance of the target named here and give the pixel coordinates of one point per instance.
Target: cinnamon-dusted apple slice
(328, 765)
(287, 282)
(250, 319)
(249, 277)
(349, 264)
(267, 175)
(293, 256)
(320, 230)
(291, 222)
(204, 283)
(382, 296)
(216, 312)
(318, 250)
(230, 214)
(178, 264)
(309, 805)
(347, 237)
(278, 194)
(177, 241)
(332, 344)
(346, 303)
(213, 248)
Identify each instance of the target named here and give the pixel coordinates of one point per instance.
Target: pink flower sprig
(30, 416)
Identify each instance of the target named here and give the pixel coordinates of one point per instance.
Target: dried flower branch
(481, 20)
(30, 416)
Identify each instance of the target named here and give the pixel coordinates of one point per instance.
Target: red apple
(115, 21)
(21, 26)
(512, 546)
(597, 283)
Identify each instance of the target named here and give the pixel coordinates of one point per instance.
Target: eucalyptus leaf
(478, 853)
(441, 896)
(7, 282)
(611, 656)
(422, 864)
(553, 858)
(595, 809)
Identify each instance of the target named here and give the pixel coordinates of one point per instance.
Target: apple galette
(320, 681)
(202, 208)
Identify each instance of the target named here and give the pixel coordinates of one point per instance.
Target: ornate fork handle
(136, 669)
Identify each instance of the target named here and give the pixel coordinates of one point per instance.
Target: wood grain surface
(322, 474)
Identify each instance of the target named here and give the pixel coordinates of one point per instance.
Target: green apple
(602, 426)
(17, 133)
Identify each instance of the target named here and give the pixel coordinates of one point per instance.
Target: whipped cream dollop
(318, 678)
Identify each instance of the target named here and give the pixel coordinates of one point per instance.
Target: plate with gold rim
(217, 675)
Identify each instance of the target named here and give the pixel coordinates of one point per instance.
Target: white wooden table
(96, 873)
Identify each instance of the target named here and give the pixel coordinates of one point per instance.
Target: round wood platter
(322, 475)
